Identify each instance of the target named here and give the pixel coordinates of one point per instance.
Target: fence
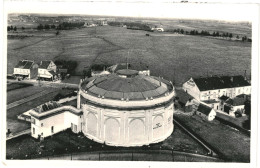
(134, 155)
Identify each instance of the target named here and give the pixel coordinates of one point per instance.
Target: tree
(247, 123)
(40, 27)
(8, 28)
(237, 37)
(230, 35)
(11, 28)
(47, 26)
(53, 26)
(244, 38)
(217, 34)
(182, 31)
(15, 28)
(22, 28)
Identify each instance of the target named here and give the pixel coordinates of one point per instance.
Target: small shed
(206, 112)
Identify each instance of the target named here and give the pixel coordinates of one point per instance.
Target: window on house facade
(33, 121)
(71, 126)
(214, 95)
(41, 124)
(33, 130)
(52, 129)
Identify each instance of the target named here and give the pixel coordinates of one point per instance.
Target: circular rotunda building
(126, 108)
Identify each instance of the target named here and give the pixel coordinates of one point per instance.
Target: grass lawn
(237, 121)
(21, 93)
(230, 143)
(173, 57)
(66, 142)
(13, 86)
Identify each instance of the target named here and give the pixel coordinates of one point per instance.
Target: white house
(206, 112)
(26, 69)
(209, 89)
(51, 118)
(159, 29)
(47, 70)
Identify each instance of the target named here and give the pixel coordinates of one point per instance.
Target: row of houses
(228, 94)
(45, 70)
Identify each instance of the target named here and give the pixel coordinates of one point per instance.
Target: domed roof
(127, 85)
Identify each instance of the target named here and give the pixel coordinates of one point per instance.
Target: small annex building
(51, 118)
(26, 69)
(185, 101)
(140, 67)
(206, 112)
(236, 104)
(47, 71)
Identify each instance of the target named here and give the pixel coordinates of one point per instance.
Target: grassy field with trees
(174, 57)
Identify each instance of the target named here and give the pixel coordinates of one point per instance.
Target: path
(28, 131)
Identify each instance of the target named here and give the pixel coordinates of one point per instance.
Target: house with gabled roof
(206, 112)
(47, 70)
(26, 69)
(209, 89)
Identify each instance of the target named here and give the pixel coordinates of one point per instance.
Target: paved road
(26, 99)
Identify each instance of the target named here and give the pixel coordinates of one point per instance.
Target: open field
(236, 28)
(18, 94)
(230, 143)
(14, 86)
(173, 57)
(178, 141)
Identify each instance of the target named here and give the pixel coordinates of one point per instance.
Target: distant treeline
(9, 28)
(207, 33)
(131, 25)
(62, 26)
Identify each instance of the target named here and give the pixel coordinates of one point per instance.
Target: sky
(215, 11)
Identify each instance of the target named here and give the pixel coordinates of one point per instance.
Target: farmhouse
(26, 69)
(209, 89)
(120, 109)
(159, 29)
(206, 112)
(186, 101)
(47, 70)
